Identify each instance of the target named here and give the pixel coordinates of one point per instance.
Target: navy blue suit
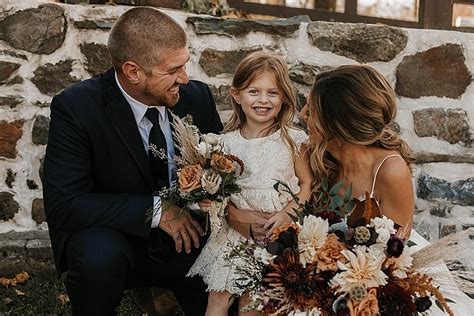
(97, 187)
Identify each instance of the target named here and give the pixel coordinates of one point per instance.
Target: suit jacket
(96, 170)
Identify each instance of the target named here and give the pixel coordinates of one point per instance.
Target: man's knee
(99, 253)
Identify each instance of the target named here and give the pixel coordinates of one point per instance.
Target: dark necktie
(159, 167)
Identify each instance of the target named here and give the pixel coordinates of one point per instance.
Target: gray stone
(8, 206)
(7, 69)
(52, 79)
(37, 211)
(11, 101)
(467, 226)
(361, 42)
(459, 192)
(222, 97)
(94, 24)
(304, 74)
(215, 62)
(40, 130)
(12, 54)
(441, 210)
(31, 184)
(26, 251)
(450, 125)
(240, 27)
(45, 37)
(41, 104)
(97, 57)
(40, 171)
(446, 230)
(439, 71)
(10, 178)
(424, 228)
(426, 157)
(15, 80)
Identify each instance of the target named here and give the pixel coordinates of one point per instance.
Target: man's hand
(181, 227)
(241, 221)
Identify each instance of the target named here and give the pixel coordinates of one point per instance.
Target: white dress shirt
(144, 127)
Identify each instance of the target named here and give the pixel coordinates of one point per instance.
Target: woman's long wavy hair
(248, 69)
(353, 104)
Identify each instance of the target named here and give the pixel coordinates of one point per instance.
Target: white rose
(263, 255)
(214, 142)
(204, 149)
(211, 181)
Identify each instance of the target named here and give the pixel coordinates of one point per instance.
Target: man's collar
(138, 108)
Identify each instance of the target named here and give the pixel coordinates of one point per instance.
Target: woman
(350, 116)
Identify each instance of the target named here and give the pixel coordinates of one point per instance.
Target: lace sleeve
(299, 137)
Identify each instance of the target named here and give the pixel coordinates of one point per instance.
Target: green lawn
(40, 295)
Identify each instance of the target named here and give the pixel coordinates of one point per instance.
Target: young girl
(260, 133)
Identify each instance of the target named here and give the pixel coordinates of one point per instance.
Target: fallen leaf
(22, 277)
(19, 293)
(7, 300)
(63, 298)
(5, 282)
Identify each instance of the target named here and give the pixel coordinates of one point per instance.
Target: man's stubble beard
(160, 99)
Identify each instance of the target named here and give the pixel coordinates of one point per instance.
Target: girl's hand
(280, 218)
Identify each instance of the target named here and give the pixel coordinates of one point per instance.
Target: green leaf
(439, 305)
(449, 300)
(324, 184)
(411, 243)
(336, 188)
(349, 206)
(337, 201)
(348, 193)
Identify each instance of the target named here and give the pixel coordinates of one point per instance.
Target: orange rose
(222, 163)
(284, 228)
(330, 253)
(368, 306)
(189, 178)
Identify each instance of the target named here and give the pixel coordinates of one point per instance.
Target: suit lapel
(121, 116)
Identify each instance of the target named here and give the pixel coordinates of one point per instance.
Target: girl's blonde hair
(354, 104)
(248, 69)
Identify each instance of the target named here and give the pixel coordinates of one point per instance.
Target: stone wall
(46, 47)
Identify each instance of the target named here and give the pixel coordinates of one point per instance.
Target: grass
(46, 295)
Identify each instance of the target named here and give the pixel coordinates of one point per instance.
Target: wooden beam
(314, 14)
(350, 7)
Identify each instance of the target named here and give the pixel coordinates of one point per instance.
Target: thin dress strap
(377, 171)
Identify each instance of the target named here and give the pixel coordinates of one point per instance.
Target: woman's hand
(278, 219)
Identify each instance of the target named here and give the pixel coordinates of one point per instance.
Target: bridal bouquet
(321, 266)
(205, 171)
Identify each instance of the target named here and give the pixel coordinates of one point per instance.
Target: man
(99, 177)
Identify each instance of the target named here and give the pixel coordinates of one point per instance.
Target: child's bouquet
(320, 265)
(204, 171)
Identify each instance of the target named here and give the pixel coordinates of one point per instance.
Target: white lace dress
(266, 160)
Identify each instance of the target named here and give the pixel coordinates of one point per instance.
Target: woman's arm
(394, 190)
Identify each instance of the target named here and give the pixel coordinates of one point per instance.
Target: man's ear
(235, 94)
(132, 72)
